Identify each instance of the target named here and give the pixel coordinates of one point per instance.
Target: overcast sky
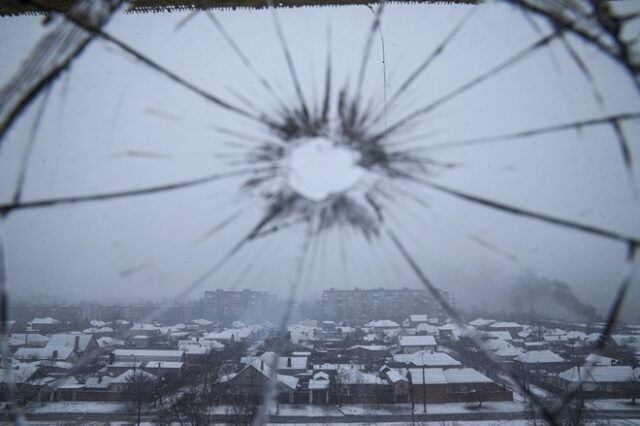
(109, 107)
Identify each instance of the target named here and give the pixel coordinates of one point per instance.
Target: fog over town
(248, 214)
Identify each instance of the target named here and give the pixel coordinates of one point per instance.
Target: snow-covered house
(355, 386)
(198, 352)
(203, 324)
(481, 323)
(331, 368)
(148, 330)
(170, 370)
(416, 319)
(619, 381)
(425, 358)
(319, 386)
(120, 383)
(512, 327)
(29, 340)
(368, 353)
(541, 361)
(110, 342)
(383, 324)
(45, 325)
(229, 335)
(398, 378)
(599, 360)
(81, 343)
(48, 353)
(411, 344)
(251, 381)
(285, 364)
(145, 355)
(427, 329)
(450, 331)
(455, 385)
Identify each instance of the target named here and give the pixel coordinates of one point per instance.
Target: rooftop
(417, 341)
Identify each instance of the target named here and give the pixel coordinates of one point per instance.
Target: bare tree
(190, 409)
(336, 388)
(574, 412)
(140, 388)
(635, 385)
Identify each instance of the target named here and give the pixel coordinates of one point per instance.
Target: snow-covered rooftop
(44, 321)
(596, 359)
(351, 376)
(419, 318)
(126, 364)
(465, 375)
(284, 362)
(372, 348)
(333, 367)
(447, 376)
(417, 341)
(147, 353)
(144, 327)
(202, 322)
(19, 339)
(320, 380)
(481, 322)
(427, 358)
(509, 352)
(105, 342)
(21, 372)
(539, 357)
(504, 335)
(618, 373)
(504, 324)
(128, 376)
(382, 323)
(164, 364)
(48, 352)
(62, 340)
(426, 328)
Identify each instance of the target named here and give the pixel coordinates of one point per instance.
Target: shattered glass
(292, 150)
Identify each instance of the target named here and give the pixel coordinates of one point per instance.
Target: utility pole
(424, 386)
(411, 397)
(424, 390)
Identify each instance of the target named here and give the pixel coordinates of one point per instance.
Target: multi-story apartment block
(359, 306)
(224, 306)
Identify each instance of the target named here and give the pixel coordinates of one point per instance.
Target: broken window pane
(483, 153)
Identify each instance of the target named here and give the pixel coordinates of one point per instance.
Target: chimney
(261, 365)
(76, 343)
(54, 354)
(289, 362)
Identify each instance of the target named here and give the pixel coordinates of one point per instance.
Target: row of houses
(557, 359)
(438, 379)
(93, 367)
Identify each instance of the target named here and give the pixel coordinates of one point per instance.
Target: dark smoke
(551, 298)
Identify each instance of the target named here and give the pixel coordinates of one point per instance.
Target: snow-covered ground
(290, 410)
(613, 404)
(462, 407)
(332, 410)
(77, 407)
(618, 422)
(383, 409)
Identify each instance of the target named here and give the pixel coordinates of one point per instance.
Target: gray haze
(112, 124)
